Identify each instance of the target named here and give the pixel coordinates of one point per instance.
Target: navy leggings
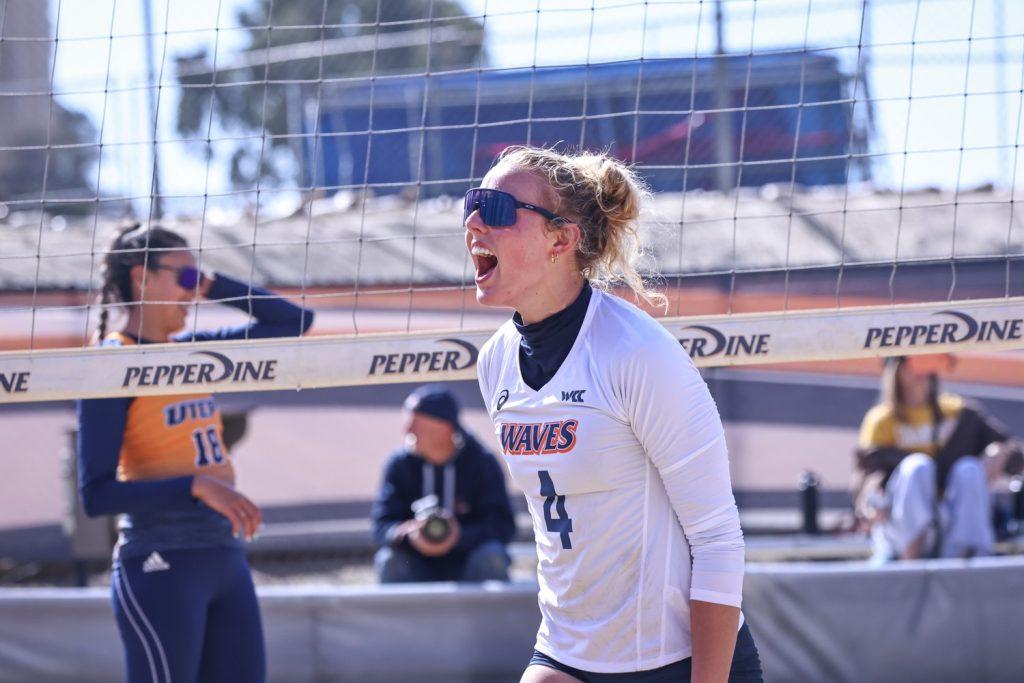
(189, 615)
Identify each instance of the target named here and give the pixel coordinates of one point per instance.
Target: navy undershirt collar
(544, 345)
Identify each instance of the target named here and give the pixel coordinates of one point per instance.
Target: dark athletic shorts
(746, 667)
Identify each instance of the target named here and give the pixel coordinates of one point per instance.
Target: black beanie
(435, 401)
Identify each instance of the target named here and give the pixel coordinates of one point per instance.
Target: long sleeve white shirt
(623, 461)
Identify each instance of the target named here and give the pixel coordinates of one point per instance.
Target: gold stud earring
(554, 257)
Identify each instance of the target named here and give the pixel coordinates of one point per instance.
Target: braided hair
(132, 246)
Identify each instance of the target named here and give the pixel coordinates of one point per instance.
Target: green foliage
(262, 102)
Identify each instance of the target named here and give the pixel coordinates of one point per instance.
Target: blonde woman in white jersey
(609, 430)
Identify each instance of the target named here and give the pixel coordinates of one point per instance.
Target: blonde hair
(602, 196)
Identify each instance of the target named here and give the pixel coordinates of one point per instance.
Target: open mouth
(485, 261)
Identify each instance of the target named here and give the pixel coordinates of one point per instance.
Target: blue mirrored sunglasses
(188, 276)
(498, 209)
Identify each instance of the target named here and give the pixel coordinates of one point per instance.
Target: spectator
(441, 467)
(928, 461)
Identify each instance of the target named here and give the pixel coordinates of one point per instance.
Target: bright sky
(941, 119)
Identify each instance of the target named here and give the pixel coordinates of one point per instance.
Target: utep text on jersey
(538, 438)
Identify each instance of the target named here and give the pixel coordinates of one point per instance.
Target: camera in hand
(436, 527)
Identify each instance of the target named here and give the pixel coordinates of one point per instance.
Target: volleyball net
(830, 179)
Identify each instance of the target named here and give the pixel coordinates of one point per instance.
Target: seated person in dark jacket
(443, 512)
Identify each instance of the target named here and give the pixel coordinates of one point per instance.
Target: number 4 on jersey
(561, 525)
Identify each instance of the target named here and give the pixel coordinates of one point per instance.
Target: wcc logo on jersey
(963, 328)
(425, 362)
(538, 438)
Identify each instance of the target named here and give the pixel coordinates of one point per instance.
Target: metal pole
(1002, 128)
(862, 78)
(723, 119)
(156, 210)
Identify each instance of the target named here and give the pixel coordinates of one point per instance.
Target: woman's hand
(243, 514)
(1002, 459)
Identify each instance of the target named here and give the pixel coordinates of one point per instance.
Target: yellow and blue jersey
(137, 455)
(171, 436)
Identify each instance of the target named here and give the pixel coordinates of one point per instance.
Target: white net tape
(266, 364)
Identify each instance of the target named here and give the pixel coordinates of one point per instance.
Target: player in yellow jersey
(182, 591)
(928, 460)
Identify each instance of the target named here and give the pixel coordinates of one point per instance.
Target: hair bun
(618, 193)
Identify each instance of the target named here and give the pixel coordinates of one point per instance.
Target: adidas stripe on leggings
(191, 617)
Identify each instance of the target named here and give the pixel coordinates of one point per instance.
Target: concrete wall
(934, 620)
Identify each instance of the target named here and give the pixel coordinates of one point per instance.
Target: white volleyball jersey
(622, 459)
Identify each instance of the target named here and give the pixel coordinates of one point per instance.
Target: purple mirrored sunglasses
(498, 209)
(188, 276)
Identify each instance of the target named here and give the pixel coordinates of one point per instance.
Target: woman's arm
(991, 434)
(273, 315)
(677, 422)
(101, 424)
(714, 628)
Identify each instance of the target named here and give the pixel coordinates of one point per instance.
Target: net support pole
(723, 118)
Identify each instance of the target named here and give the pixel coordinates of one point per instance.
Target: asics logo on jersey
(532, 438)
(425, 362)
(221, 370)
(574, 396)
(196, 409)
(502, 399)
(14, 383)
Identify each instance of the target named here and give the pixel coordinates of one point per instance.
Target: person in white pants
(930, 461)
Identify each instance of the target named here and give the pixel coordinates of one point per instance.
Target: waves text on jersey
(538, 438)
(220, 369)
